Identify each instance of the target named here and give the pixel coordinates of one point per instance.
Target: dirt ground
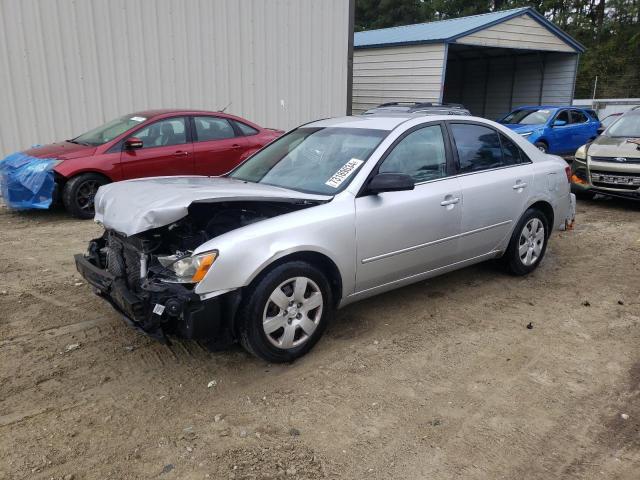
(438, 380)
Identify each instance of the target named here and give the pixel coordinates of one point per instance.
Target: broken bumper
(568, 219)
(158, 308)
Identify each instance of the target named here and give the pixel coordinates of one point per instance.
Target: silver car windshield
(321, 161)
(627, 126)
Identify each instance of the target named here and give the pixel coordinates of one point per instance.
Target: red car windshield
(107, 132)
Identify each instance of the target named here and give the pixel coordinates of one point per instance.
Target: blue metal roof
(450, 30)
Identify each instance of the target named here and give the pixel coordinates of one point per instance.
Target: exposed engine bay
(134, 273)
(132, 257)
(209, 220)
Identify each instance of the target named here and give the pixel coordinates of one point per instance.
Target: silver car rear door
(403, 234)
(496, 178)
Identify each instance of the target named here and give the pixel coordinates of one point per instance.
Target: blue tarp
(26, 181)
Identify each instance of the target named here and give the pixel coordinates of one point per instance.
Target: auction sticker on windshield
(343, 173)
(138, 119)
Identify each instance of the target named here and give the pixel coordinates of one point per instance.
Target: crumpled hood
(604, 146)
(516, 127)
(61, 150)
(135, 206)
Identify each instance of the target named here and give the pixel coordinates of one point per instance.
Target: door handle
(449, 200)
(180, 153)
(519, 185)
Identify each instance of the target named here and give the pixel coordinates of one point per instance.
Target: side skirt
(370, 292)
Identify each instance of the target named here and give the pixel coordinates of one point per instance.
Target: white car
(333, 212)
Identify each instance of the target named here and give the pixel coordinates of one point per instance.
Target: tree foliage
(609, 29)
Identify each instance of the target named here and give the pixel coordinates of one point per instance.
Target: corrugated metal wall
(407, 74)
(559, 78)
(491, 87)
(67, 66)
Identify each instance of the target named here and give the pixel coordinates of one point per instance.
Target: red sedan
(149, 144)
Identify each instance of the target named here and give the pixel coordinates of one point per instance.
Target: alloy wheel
(86, 195)
(293, 312)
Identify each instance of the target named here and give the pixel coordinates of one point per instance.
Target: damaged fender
(241, 259)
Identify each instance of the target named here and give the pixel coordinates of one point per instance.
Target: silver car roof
(388, 122)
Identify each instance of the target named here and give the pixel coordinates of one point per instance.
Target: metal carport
(490, 63)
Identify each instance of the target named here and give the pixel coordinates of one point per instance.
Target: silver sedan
(333, 212)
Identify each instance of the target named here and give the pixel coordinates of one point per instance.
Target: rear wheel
(543, 147)
(528, 243)
(79, 193)
(287, 311)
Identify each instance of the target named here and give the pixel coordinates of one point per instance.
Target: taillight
(567, 171)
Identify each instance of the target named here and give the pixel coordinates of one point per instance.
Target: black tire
(585, 195)
(79, 192)
(542, 146)
(512, 258)
(251, 332)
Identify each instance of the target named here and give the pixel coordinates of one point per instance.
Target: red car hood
(61, 150)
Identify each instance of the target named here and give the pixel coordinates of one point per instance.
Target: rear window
(511, 153)
(246, 129)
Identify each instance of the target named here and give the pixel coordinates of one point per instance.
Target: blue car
(556, 130)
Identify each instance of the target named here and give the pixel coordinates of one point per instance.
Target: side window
(163, 133)
(478, 147)
(246, 129)
(421, 154)
(594, 114)
(511, 154)
(564, 116)
(578, 117)
(213, 128)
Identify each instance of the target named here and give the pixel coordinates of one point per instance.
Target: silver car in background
(333, 212)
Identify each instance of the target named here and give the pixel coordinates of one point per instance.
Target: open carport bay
(438, 380)
(491, 82)
(490, 63)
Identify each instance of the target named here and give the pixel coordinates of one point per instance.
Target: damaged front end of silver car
(150, 276)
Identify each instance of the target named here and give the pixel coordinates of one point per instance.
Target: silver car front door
(403, 234)
(496, 179)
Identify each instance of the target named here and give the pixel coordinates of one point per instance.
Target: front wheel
(528, 243)
(287, 311)
(79, 193)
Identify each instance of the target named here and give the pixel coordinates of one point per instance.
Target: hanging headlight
(190, 269)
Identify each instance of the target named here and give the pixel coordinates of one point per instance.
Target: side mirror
(132, 143)
(559, 123)
(390, 182)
